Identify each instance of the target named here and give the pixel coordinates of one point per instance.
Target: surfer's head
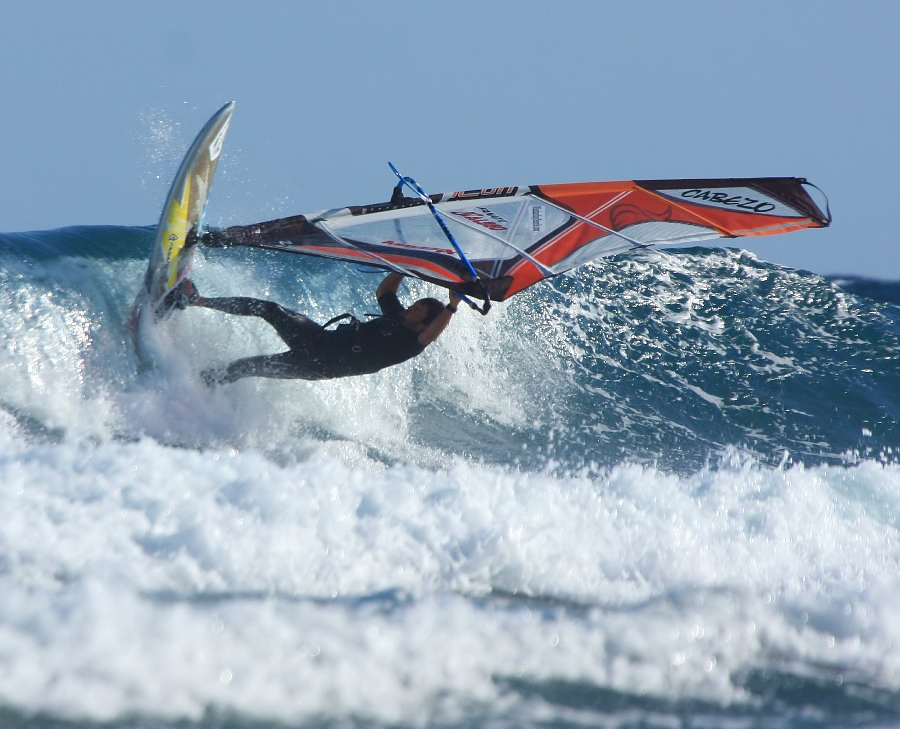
(423, 312)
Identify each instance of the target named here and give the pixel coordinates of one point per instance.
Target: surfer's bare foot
(190, 291)
(183, 295)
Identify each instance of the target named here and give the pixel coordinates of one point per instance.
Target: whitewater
(661, 491)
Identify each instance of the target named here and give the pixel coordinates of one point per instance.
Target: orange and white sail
(517, 236)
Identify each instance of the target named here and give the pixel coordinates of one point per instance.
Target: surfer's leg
(291, 229)
(286, 365)
(293, 328)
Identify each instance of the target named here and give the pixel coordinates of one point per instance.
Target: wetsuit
(317, 353)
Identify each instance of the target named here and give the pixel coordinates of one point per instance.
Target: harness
(352, 327)
(352, 322)
(339, 317)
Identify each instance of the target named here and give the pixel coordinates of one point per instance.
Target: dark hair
(434, 307)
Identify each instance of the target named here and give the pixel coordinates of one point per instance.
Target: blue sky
(102, 97)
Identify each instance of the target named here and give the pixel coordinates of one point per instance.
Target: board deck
(182, 215)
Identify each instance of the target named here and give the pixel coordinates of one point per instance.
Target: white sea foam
(141, 578)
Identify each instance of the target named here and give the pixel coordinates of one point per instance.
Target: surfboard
(175, 239)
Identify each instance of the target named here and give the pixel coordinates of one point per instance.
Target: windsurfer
(316, 352)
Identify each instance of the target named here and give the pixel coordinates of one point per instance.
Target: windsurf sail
(517, 236)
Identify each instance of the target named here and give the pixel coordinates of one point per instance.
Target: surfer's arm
(440, 322)
(390, 284)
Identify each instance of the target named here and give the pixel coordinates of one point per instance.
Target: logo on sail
(485, 217)
(729, 199)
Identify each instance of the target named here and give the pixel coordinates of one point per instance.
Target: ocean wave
(662, 487)
(666, 359)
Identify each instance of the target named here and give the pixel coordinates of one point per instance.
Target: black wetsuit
(317, 353)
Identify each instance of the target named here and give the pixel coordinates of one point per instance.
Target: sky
(101, 98)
